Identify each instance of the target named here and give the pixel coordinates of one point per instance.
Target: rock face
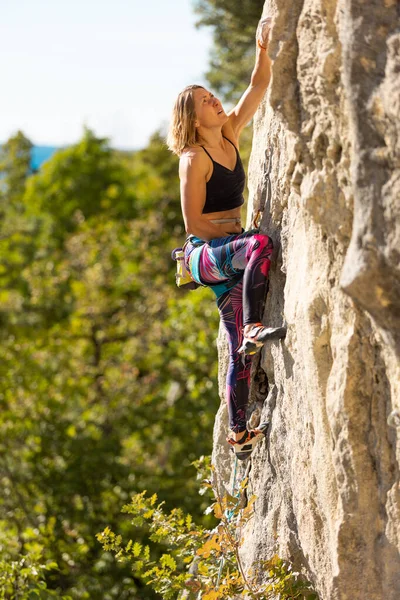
(327, 476)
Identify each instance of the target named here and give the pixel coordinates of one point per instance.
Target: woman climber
(218, 252)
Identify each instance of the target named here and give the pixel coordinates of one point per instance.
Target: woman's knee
(265, 241)
(261, 244)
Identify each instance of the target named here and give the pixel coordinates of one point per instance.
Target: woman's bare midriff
(234, 213)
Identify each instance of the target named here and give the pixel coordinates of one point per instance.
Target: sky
(115, 66)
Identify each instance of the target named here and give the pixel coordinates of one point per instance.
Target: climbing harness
(266, 190)
(236, 220)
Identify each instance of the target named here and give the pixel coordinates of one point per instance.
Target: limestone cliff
(327, 476)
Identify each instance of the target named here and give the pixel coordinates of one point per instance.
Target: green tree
(93, 182)
(15, 158)
(106, 386)
(234, 25)
(17, 232)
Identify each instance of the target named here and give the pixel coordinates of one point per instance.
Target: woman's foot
(243, 443)
(255, 335)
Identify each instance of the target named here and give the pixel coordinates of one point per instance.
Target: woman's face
(209, 111)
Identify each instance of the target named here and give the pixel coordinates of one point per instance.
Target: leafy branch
(202, 561)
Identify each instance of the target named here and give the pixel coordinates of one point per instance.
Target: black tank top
(224, 189)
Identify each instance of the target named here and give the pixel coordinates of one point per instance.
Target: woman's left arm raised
(244, 111)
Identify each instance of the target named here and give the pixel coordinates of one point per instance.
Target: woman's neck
(212, 138)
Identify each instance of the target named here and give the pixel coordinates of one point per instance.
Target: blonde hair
(182, 131)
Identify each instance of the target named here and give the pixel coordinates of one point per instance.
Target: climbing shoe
(245, 446)
(256, 337)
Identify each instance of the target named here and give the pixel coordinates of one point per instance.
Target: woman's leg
(237, 268)
(221, 260)
(238, 376)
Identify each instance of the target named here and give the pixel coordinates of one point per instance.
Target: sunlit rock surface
(327, 477)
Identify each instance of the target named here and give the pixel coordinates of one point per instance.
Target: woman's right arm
(193, 170)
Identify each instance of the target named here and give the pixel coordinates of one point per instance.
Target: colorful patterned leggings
(236, 268)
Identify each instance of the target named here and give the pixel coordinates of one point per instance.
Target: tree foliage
(15, 156)
(200, 562)
(234, 25)
(106, 386)
(93, 180)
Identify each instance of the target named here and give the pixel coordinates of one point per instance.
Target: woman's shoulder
(193, 157)
(192, 151)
